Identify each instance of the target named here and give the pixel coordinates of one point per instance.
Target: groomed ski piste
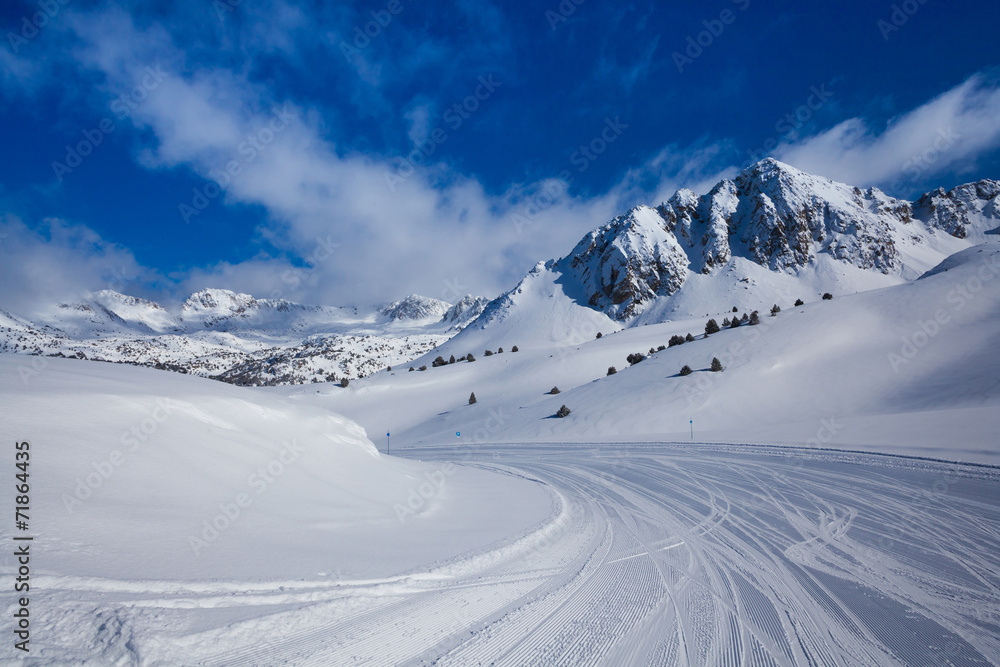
(834, 506)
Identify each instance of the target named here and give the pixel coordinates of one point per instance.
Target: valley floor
(653, 554)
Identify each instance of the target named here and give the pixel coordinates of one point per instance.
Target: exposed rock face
(961, 209)
(770, 214)
(415, 307)
(466, 310)
(628, 261)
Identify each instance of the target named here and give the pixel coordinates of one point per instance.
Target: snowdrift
(176, 477)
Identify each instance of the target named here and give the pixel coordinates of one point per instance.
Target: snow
(830, 497)
(914, 354)
(185, 445)
(156, 486)
(239, 338)
(650, 554)
(538, 312)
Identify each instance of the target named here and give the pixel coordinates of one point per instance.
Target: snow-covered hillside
(175, 520)
(160, 500)
(577, 484)
(908, 368)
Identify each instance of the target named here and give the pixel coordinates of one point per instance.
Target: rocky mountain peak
(627, 261)
(773, 215)
(416, 307)
(213, 299)
(467, 309)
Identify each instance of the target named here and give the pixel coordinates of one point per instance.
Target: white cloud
(353, 239)
(58, 262)
(949, 131)
(419, 116)
(433, 230)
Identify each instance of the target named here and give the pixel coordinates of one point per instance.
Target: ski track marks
(656, 554)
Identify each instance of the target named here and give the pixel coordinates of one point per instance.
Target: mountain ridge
(772, 215)
(772, 233)
(238, 338)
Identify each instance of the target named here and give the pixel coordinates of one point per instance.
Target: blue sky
(356, 153)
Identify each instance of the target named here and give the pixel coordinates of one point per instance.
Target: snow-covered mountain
(239, 338)
(780, 219)
(417, 308)
(772, 234)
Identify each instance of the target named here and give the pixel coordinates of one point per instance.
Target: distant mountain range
(238, 338)
(771, 234)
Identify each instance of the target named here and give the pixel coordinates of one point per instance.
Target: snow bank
(147, 475)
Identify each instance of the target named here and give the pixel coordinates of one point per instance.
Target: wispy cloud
(336, 233)
(58, 261)
(419, 117)
(947, 132)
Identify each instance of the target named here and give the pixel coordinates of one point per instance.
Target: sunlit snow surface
(539, 541)
(658, 554)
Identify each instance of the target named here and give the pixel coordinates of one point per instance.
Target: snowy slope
(178, 521)
(134, 444)
(824, 360)
(537, 312)
(196, 488)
